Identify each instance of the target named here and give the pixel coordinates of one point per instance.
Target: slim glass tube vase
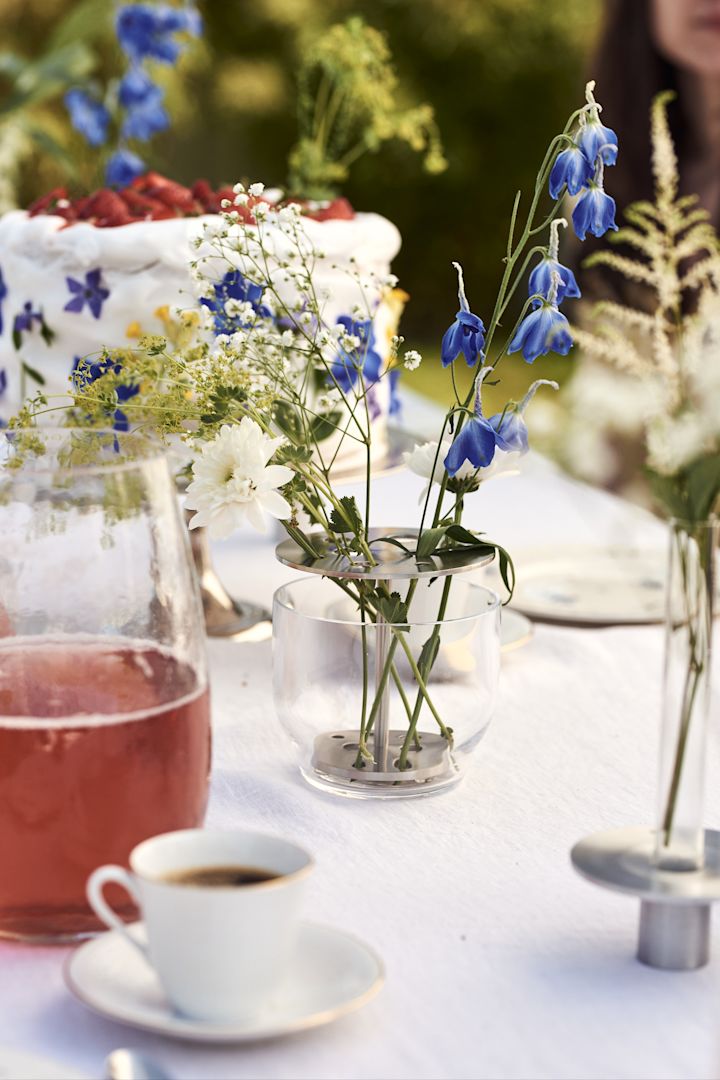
(686, 694)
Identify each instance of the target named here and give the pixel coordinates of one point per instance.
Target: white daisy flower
(234, 483)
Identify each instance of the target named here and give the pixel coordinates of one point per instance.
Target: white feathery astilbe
(664, 158)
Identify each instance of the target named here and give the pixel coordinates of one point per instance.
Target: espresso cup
(220, 951)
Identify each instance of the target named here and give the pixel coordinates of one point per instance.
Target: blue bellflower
(148, 31)
(91, 292)
(123, 167)
(476, 440)
(544, 330)
(541, 280)
(596, 140)
(511, 433)
(3, 384)
(594, 211)
(467, 333)
(234, 286)
(137, 88)
(572, 169)
(143, 100)
(143, 121)
(88, 116)
(365, 360)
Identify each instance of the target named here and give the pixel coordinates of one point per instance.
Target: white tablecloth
(501, 962)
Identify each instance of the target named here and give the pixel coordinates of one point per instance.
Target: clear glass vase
(686, 694)
(378, 708)
(104, 707)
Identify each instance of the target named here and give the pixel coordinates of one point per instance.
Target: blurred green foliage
(502, 76)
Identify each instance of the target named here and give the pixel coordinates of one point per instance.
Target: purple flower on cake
(395, 408)
(123, 167)
(148, 31)
(88, 116)
(356, 354)
(3, 294)
(23, 322)
(234, 287)
(90, 292)
(467, 333)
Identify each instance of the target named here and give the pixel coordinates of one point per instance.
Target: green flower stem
(693, 675)
(425, 671)
(424, 690)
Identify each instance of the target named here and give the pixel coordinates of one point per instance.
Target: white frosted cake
(72, 286)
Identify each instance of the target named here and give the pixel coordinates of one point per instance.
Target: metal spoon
(125, 1064)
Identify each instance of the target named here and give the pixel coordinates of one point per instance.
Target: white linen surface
(501, 962)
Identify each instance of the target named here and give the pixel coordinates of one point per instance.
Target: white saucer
(589, 585)
(515, 629)
(332, 973)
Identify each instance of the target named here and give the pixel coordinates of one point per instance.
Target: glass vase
(104, 706)
(378, 708)
(686, 694)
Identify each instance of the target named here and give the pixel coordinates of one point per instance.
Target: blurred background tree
(502, 76)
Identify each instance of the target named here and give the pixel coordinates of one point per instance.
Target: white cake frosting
(143, 268)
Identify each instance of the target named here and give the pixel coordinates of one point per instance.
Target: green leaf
(703, 486)
(507, 572)
(46, 77)
(52, 148)
(461, 535)
(85, 21)
(428, 654)
(323, 427)
(16, 339)
(32, 373)
(46, 333)
(394, 610)
(428, 542)
(347, 518)
(669, 494)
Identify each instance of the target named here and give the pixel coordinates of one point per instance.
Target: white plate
(601, 586)
(17, 1065)
(515, 629)
(332, 973)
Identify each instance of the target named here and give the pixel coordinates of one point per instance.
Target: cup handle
(117, 875)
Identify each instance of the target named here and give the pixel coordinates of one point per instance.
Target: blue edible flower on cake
(91, 292)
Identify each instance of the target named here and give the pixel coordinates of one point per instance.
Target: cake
(80, 275)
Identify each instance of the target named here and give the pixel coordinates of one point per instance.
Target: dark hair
(630, 71)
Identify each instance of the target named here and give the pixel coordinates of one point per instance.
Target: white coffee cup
(219, 950)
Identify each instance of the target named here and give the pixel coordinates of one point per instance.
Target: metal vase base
(675, 905)
(225, 617)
